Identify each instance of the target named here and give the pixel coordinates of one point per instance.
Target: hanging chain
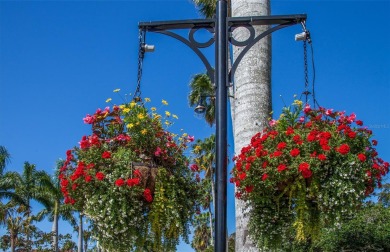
(306, 71)
(141, 54)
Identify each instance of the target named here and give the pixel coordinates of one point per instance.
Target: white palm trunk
(252, 101)
(55, 228)
(80, 241)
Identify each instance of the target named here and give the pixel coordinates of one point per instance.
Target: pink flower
(194, 167)
(328, 112)
(272, 123)
(301, 119)
(351, 118)
(88, 119)
(190, 138)
(157, 153)
(307, 109)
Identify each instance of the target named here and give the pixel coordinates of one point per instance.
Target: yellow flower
(156, 116)
(175, 116)
(167, 123)
(197, 149)
(116, 90)
(297, 102)
(108, 100)
(130, 125)
(153, 109)
(167, 113)
(122, 106)
(126, 110)
(185, 134)
(147, 99)
(140, 116)
(144, 131)
(164, 102)
(132, 104)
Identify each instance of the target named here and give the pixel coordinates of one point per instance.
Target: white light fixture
(148, 48)
(301, 36)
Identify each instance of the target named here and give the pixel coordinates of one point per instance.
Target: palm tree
(252, 103)
(252, 95)
(205, 159)
(4, 159)
(58, 209)
(28, 186)
(202, 93)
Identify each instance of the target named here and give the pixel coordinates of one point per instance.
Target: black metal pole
(221, 45)
(222, 24)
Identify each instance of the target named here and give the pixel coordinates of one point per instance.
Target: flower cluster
(113, 174)
(309, 168)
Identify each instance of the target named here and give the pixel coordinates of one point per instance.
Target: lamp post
(221, 27)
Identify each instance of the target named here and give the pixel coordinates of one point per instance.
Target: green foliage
(369, 230)
(203, 93)
(130, 177)
(311, 169)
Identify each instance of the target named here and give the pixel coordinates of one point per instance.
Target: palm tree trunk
(55, 227)
(80, 242)
(252, 99)
(13, 237)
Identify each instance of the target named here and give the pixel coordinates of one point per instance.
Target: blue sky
(60, 60)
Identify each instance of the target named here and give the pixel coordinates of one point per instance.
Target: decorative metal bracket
(275, 23)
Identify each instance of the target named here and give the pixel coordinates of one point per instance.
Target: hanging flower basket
(307, 170)
(130, 177)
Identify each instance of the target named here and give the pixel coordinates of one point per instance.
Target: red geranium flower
(99, 175)
(304, 168)
(282, 167)
(148, 195)
(281, 145)
(119, 182)
(249, 189)
(362, 157)
(294, 152)
(322, 157)
(264, 177)
(343, 149)
(106, 154)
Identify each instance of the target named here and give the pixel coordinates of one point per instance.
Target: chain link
(306, 93)
(141, 54)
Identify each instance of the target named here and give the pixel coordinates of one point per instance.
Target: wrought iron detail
(232, 23)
